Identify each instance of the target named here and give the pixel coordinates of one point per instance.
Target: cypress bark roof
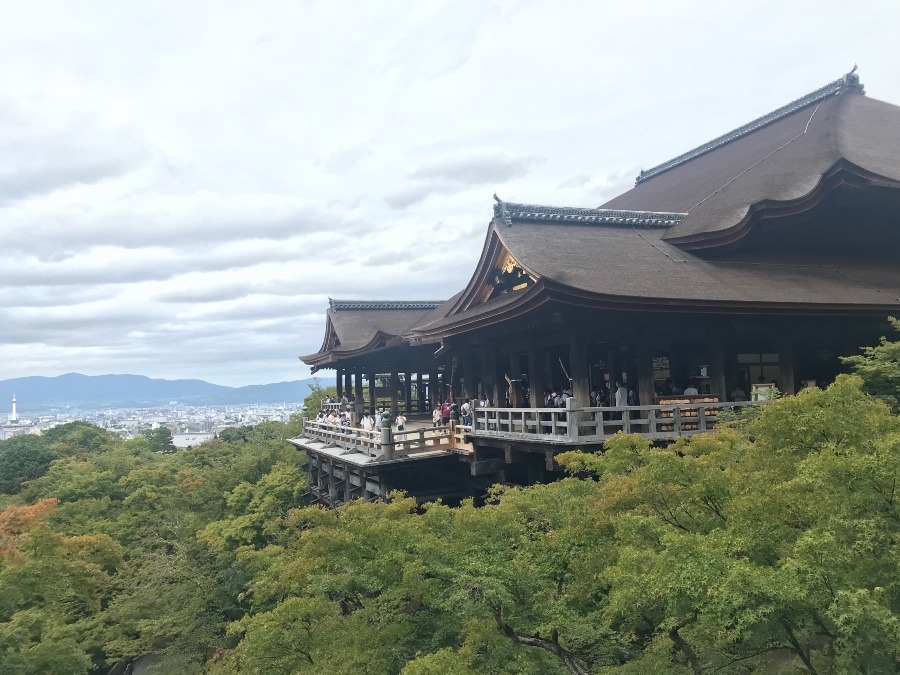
(781, 160)
(356, 327)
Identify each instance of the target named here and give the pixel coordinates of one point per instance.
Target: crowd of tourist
(343, 420)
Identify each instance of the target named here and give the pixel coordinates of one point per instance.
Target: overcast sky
(184, 184)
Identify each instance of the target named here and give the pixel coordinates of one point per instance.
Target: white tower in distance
(14, 416)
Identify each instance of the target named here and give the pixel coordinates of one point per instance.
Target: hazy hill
(99, 390)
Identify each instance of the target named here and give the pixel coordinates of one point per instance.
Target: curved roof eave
(379, 342)
(842, 172)
(547, 291)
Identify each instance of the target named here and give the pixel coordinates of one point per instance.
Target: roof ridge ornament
(500, 211)
(508, 212)
(849, 83)
(384, 304)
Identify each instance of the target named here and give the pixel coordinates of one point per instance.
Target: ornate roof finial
(500, 211)
(851, 81)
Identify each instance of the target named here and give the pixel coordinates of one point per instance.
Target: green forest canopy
(769, 547)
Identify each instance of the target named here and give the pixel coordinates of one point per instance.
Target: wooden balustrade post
(573, 418)
(387, 442)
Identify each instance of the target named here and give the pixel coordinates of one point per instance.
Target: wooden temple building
(760, 257)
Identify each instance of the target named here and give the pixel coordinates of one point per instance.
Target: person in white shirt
(377, 420)
(401, 422)
(621, 395)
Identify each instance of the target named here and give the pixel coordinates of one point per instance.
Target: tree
(160, 440)
(52, 589)
(106, 564)
(771, 547)
(22, 458)
(318, 394)
(879, 367)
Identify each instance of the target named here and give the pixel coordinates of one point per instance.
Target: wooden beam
(644, 359)
(487, 466)
(579, 370)
(372, 394)
(786, 362)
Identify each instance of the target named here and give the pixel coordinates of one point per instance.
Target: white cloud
(183, 185)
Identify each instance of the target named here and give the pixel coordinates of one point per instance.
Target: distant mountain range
(74, 389)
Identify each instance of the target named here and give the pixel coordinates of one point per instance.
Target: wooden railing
(559, 426)
(349, 438)
(594, 425)
(426, 438)
(401, 443)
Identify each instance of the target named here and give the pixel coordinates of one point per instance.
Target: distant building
(185, 441)
(14, 427)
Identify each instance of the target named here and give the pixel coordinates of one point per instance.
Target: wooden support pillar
(348, 383)
(644, 357)
(469, 389)
(729, 365)
(514, 390)
(614, 363)
(420, 393)
(372, 394)
(718, 385)
(537, 376)
(786, 363)
(489, 375)
(395, 380)
(579, 370)
(358, 388)
(407, 392)
(454, 391)
(434, 392)
(330, 479)
(339, 382)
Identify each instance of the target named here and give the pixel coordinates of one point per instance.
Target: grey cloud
(383, 259)
(218, 293)
(85, 329)
(347, 158)
(440, 42)
(415, 194)
(149, 265)
(86, 150)
(53, 296)
(576, 181)
(471, 171)
(189, 222)
(257, 307)
(339, 284)
(612, 184)
(456, 174)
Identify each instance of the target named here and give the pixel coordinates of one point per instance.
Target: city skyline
(182, 186)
